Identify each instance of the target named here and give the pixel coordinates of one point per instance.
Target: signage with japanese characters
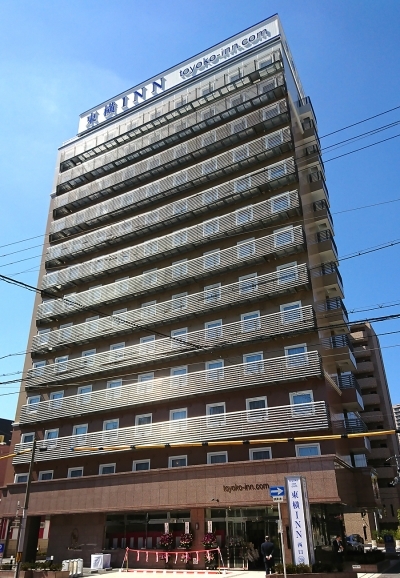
(300, 520)
(240, 43)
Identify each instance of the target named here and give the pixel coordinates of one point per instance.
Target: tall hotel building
(192, 304)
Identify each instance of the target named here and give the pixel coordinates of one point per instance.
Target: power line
(360, 121)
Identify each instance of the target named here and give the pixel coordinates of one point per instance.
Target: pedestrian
(267, 553)
(338, 552)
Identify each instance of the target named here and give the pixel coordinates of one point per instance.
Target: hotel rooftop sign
(205, 61)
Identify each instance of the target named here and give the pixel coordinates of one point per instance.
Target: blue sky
(57, 59)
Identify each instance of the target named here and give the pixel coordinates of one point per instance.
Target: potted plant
(186, 541)
(166, 541)
(209, 540)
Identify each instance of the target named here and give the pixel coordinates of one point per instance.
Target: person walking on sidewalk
(267, 553)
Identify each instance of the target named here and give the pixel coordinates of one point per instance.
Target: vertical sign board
(300, 520)
(166, 527)
(1, 551)
(187, 527)
(209, 527)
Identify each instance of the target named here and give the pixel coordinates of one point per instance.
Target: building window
(20, 478)
(150, 248)
(114, 389)
(51, 435)
(180, 126)
(84, 394)
(140, 465)
(121, 286)
(215, 370)
(177, 461)
(152, 217)
(56, 398)
(302, 402)
(244, 215)
(80, 433)
(46, 475)
(179, 238)
(242, 185)
(287, 273)
(296, 355)
(283, 237)
(92, 324)
(236, 100)
(179, 301)
(215, 414)
(180, 178)
(217, 457)
(251, 321)
(61, 364)
(280, 203)
(210, 197)
(145, 382)
(271, 111)
(107, 469)
(178, 419)
(178, 338)
(257, 409)
(143, 424)
(65, 331)
(179, 375)
(240, 154)
(117, 351)
(88, 356)
(239, 126)
(291, 312)
(213, 329)
(211, 227)
(212, 293)
(152, 189)
(273, 139)
(307, 450)
(181, 151)
(235, 76)
(253, 363)
(43, 336)
(110, 430)
(245, 248)
(209, 166)
(180, 101)
(27, 438)
(248, 284)
(277, 171)
(179, 207)
(360, 461)
(148, 309)
(147, 344)
(179, 268)
(208, 138)
(75, 472)
(260, 454)
(32, 403)
(211, 259)
(149, 278)
(206, 114)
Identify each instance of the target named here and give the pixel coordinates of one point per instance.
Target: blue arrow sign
(276, 491)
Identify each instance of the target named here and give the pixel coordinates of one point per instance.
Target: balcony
(331, 278)
(351, 399)
(239, 425)
(145, 123)
(343, 350)
(123, 179)
(386, 472)
(310, 131)
(243, 157)
(176, 243)
(371, 399)
(380, 454)
(349, 426)
(264, 372)
(178, 132)
(373, 417)
(180, 274)
(359, 337)
(333, 312)
(317, 185)
(366, 382)
(264, 286)
(205, 340)
(327, 246)
(364, 367)
(322, 214)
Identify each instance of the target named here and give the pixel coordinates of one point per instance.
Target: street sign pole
(280, 532)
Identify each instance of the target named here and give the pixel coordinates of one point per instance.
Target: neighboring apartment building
(192, 315)
(396, 414)
(5, 438)
(377, 415)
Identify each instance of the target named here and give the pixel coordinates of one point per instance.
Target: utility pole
(280, 532)
(22, 526)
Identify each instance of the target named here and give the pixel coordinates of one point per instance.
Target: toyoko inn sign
(221, 53)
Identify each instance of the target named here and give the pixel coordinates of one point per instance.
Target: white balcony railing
(204, 340)
(177, 211)
(242, 219)
(268, 371)
(134, 150)
(251, 251)
(249, 289)
(181, 180)
(235, 425)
